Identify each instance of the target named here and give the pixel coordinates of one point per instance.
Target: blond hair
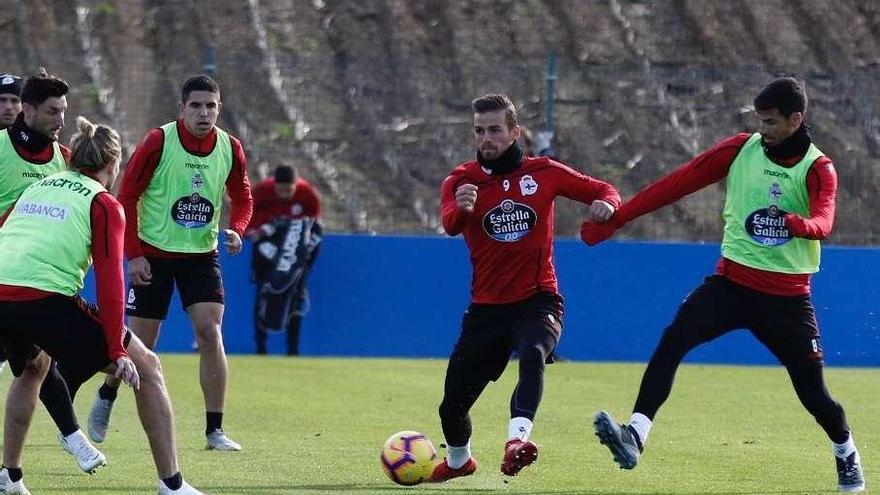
(93, 147)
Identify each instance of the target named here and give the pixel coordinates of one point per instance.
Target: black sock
(108, 393)
(214, 421)
(174, 482)
(15, 474)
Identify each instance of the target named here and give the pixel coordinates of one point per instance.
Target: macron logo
(777, 173)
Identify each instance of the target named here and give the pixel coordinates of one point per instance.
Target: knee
(532, 358)
(37, 368)
(824, 408)
(208, 335)
(448, 409)
(675, 343)
(149, 367)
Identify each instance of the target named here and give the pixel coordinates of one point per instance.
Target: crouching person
(52, 235)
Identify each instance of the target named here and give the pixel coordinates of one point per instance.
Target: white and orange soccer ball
(408, 458)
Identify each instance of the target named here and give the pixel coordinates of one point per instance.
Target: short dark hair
(42, 86)
(493, 102)
(285, 174)
(198, 83)
(785, 94)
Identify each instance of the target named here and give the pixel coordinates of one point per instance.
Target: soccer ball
(408, 458)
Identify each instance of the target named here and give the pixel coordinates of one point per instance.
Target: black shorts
(18, 353)
(786, 325)
(491, 332)
(66, 328)
(197, 278)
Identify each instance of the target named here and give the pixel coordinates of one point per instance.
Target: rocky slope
(370, 98)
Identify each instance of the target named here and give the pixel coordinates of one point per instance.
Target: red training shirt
(305, 203)
(510, 232)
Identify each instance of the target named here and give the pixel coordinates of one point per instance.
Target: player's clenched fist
(466, 196)
(601, 211)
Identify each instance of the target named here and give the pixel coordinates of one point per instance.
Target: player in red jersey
(503, 205)
(285, 195)
(780, 204)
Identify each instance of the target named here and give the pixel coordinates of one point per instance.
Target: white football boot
(185, 489)
(99, 419)
(9, 487)
(217, 440)
(87, 456)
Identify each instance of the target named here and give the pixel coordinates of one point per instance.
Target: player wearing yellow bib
(86, 225)
(172, 192)
(779, 205)
(34, 111)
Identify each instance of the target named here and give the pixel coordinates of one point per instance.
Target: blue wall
(403, 296)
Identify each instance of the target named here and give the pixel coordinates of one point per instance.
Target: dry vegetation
(370, 97)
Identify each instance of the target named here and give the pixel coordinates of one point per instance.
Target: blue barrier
(404, 296)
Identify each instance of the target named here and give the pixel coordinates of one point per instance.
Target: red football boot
(442, 472)
(517, 455)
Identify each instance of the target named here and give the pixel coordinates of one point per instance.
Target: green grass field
(315, 426)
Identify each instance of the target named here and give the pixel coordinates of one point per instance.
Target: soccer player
(40, 277)
(284, 195)
(10, 99)
(172, 193)
(780, 204)
(503, 203)
(32, 116)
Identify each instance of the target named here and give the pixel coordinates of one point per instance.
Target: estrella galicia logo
(509, 221)
(192, 212)
(767, 226)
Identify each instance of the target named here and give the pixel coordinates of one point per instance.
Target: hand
(232, 242)
(601, 211)
(466, 197)
(127, 372)
(796, 225)
(265, 230)
(139, 271)
(593, 233)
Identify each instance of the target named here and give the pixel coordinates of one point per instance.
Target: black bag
(281, 262)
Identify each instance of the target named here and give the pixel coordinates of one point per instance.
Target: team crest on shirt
(510, 221)
(527, 185)
(197, 182)
(296, 209)
(767, 226)
(193, 211)
(775, 192)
